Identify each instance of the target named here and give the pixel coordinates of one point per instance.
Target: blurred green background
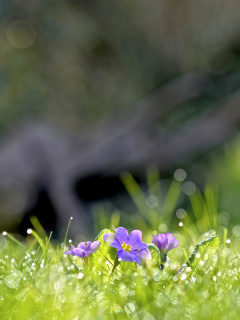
(79, 61)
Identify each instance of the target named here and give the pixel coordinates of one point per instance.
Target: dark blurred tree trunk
(43, 153)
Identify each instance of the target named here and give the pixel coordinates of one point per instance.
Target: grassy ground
(199, 281)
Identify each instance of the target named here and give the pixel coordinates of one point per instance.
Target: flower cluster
(129, 247)
(165, 242)
(83, 250)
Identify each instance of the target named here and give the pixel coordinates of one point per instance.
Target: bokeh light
(21, 33)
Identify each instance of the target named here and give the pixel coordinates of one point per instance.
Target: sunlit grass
(200, 281)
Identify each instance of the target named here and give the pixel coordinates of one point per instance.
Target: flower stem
(86, 262)
(163, 260)
(116, 263)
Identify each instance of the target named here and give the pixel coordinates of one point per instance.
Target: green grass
(201, 280)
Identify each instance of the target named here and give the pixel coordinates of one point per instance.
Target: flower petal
(169, 237)
(173, 244)
(165, 242)
(94, 246)
(162, 241)
(127, 256)
(68, 252)
(155, 240)
(138, 259)
(111, 240)
(88, 245)
(145, 254)
(81, 253)
(78, 252)
(82, 245)
(121, 234)
(135, 240)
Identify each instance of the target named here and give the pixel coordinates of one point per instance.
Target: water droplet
(163, 227)
(188, 188)
(21, 33)
(236, 230)
(181, 213)
(183, 276)
(152, 201)
(80, 275)
(180, 175)
(212, 232)
(129, 307)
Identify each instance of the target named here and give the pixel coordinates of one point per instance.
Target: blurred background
(91, 90)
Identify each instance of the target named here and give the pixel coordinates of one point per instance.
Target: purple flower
(83, 250)
(165, 242)
(130, 247)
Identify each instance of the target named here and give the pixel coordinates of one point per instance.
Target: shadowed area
(91, 90)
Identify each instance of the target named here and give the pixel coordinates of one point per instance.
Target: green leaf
(206, 247)
(127, 268)
(203, 252)
(105, 255)
(101, 234)
(155, 254)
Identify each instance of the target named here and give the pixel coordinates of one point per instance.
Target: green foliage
(203, 256)
(38, 281)
(105, 257)
(155, 255)
(204, 249)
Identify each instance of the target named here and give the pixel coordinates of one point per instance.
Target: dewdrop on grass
(29, 231)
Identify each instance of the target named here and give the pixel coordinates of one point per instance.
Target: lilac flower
(83, 250)
(165, 242)
(130, 247)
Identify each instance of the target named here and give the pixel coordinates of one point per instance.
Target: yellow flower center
(126, 247)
